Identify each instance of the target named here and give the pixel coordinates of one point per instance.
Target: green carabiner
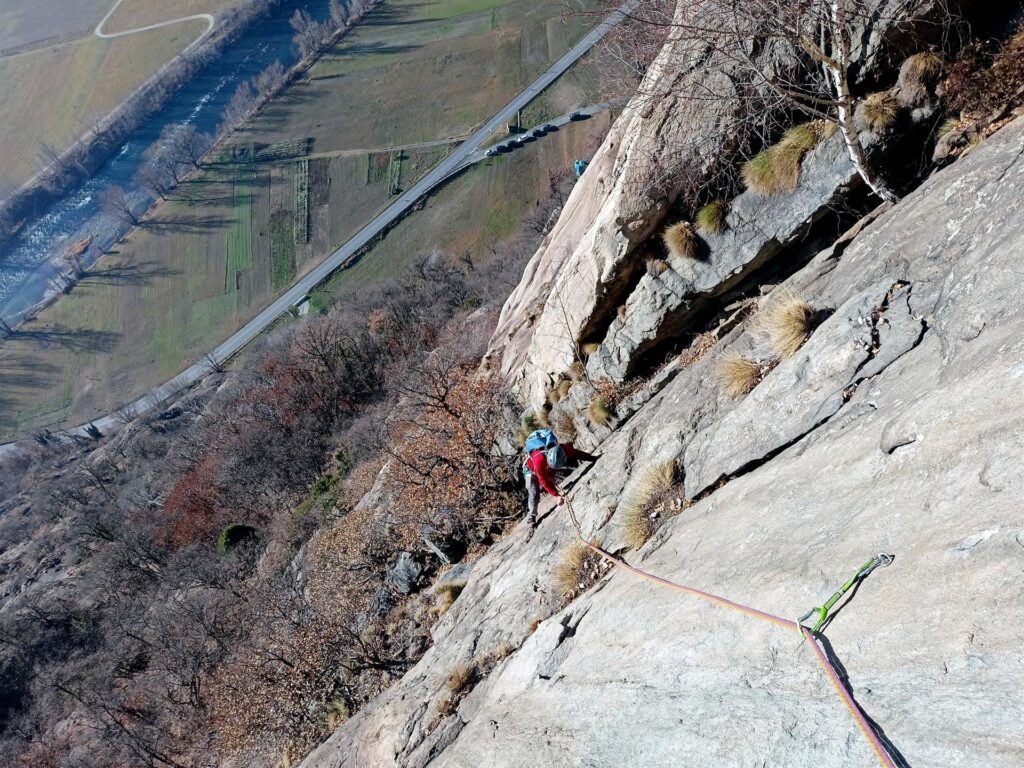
(881, 559)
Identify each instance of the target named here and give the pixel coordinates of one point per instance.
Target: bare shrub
(119, 204)
(699, 347)
(985, 77)
(564, 427)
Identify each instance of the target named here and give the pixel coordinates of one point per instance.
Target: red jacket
(538, 464)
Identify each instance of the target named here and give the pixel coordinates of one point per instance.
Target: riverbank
(100, 142)
(56, 279)
(27, 257)
(230, 242)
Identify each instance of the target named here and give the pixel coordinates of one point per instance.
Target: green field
(239, 233)
(70, 77)
(481, 207)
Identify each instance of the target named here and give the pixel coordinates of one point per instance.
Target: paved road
(210, 21)
(466, 153)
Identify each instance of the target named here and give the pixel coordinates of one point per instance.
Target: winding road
(210, 21)
(464, 155)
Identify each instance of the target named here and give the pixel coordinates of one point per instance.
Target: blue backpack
(540, 440)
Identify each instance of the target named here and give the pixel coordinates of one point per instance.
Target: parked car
(548, 128)
(492, 152)
(576, 116)
(538, 133)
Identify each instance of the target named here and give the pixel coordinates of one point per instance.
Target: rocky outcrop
(663, 142)
(758, 228)
(666, 145)
(896, 427)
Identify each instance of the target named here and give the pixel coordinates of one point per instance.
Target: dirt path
(210, 21)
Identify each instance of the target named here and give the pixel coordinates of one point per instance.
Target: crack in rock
(808, 390)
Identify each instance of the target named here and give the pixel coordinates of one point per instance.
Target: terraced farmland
(235, 236)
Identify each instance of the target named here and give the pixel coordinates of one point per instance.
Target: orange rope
(830, 671)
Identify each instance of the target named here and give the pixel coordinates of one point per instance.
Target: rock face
(589, 263)
(758, 228)
(896, 427)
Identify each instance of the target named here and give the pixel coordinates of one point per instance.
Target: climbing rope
(855, 711)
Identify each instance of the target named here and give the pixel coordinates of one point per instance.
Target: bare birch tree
(786, 56)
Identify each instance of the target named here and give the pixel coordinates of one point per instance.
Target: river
(26, 261)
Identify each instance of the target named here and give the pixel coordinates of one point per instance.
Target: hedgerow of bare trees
(61, 170)
(120, 204)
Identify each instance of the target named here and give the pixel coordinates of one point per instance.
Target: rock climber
(545, 456)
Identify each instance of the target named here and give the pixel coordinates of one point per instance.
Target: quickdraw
(879, 560)
(881, 752)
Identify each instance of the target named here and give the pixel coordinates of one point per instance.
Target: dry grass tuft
(924, 67)
(553, 395)
(803, 137)
(681, 240)
(590, 348)
(534, 624)
(785, 323)
(826, 129)
(599, 412)
(879, 110)
(530, 420)
(500, 653)
(338, 712)
(974, 141)
(576, 371)
(738, 374)
(711, 218)
(656, 267)
(446, 705)
(947, 125)
(759, 174)
(522, 432)
(777, 169)
(447, 593)
(648, 504)
(577, 570)
(461, 678)
(563, 388)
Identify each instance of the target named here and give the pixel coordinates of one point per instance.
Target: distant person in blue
(580, 166)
